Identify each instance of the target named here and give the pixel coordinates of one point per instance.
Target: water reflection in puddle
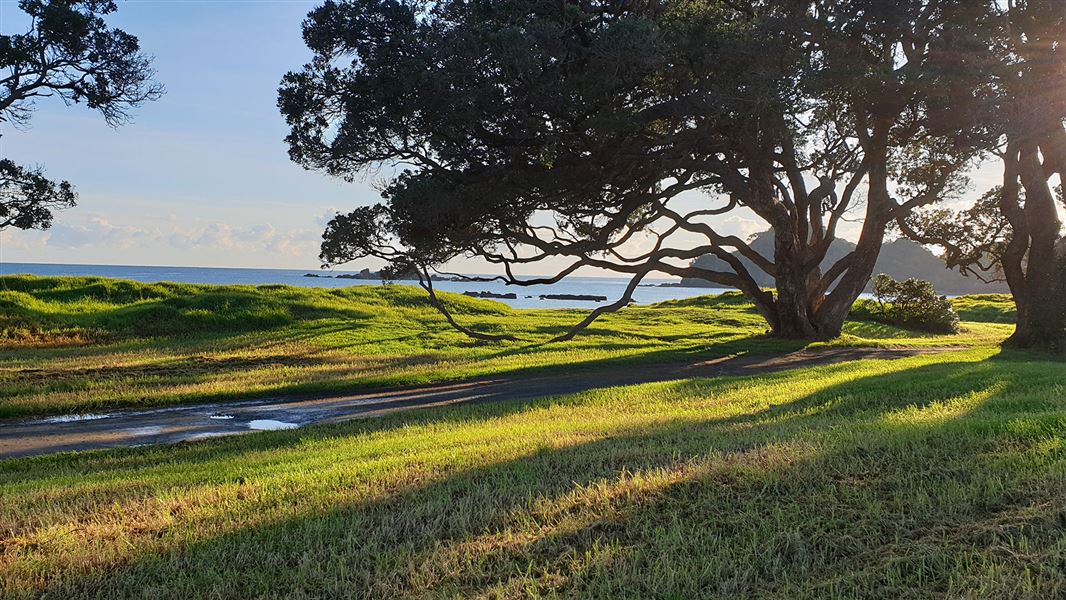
(73, 418)
(142, 431)
(270, 425)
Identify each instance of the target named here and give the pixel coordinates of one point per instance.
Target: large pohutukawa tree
(532, 130)
(1014, 232)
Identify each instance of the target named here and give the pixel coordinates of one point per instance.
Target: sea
(652, 290)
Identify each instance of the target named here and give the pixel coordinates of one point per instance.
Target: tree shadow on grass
(832, 492)
(310, 371)
(227, 449)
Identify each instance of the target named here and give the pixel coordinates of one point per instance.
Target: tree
(1014, 232)
(27, 198)
(532, 130)
(68, 52)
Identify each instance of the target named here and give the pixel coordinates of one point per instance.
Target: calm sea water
(528, 297)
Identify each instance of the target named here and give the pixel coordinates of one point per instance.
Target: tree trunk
(1040, 319)
(1038, 296)
(792, 323)
(792, 310)
(834, 308)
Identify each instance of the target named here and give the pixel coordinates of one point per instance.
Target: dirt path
(169, 425)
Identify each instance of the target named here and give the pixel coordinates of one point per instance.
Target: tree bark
(1038, 295)
(791, 304)
(834, 308)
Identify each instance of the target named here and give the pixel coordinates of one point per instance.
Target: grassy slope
(936, 476)
(82, 344)
(988, 308)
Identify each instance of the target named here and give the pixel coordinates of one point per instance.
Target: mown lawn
(934, 476)
(87, 344)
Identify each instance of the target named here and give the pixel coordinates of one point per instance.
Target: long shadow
(496, 397)
(740, 480)
(163, 375)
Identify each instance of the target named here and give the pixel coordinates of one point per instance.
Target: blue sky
(201, 177)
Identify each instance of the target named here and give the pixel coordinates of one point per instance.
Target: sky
(200, 177)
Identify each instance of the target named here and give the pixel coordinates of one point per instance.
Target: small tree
(533, 130)
(68, 52)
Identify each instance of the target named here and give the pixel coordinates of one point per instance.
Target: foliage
(28, 198)
(68, 52)
(80, 344)
(974, 239)
(532, 131)
(1014, 232)
(928, 477)
(913, 304)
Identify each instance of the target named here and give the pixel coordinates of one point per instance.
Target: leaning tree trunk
(1038, 293)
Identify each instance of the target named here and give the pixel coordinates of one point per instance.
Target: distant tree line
(528, 130)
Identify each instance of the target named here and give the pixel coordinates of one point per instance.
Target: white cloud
(97, 231)
(298, 243)
(742, 227)
(262, 238)
(21, 241)
(93, 238)
(256, 233)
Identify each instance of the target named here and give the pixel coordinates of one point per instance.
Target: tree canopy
(69, 52)
(526, 130)
(1014, 231)
(28, 198)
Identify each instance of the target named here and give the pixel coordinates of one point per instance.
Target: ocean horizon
(650, 292)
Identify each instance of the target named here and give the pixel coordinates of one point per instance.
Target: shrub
(913, 304)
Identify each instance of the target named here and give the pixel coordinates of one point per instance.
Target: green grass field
(941, 475)
(85, 344)
(936, 476)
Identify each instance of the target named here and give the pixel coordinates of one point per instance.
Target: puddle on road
(142, 431)
(73, 418)
(270, 425)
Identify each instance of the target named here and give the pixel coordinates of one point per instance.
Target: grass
(934, 476)
(85, 344)
(940, 475)
(989, 308)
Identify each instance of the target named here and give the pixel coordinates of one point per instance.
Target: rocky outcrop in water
(577, 297)
(367, 274)
(492, 295)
